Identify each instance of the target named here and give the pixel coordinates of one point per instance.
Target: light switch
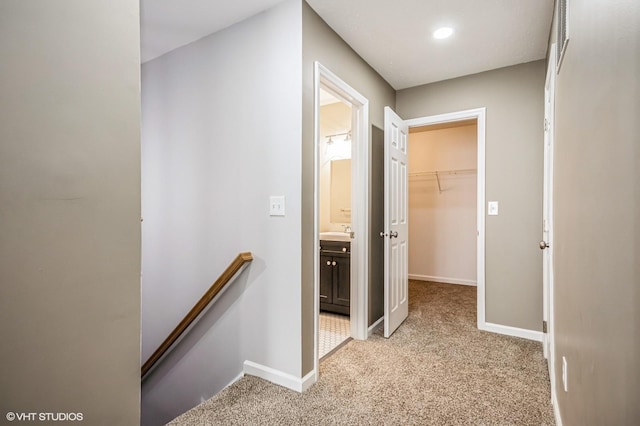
(492, 209)
(276, 205)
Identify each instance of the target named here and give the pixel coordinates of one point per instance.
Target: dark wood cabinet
(335, 276)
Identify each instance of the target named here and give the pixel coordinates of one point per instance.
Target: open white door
(545, 243)
(396, 230)
(547, 219)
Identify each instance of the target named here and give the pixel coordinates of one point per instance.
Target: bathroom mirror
(340, 202)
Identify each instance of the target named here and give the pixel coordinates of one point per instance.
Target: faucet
(347, 228)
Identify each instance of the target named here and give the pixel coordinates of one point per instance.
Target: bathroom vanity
(335, 281)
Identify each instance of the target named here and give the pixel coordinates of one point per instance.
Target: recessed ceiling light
(443, 32)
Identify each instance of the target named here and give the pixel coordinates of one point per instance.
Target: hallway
(437, 369)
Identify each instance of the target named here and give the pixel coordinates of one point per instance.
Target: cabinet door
(326, 279)
(341, 280)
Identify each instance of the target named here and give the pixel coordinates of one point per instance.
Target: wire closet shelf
(438, 173)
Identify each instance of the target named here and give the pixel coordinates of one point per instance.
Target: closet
(442, 202)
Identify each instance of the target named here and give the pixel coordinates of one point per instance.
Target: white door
(546, 244)
(547, 212)
(396, 281)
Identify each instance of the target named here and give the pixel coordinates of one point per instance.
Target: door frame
(327, 80)
(548, 277)
(479, 114)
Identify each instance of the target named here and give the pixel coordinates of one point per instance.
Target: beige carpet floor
(437, 369)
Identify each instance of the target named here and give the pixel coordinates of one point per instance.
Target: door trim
(480, 115)
(327, 80)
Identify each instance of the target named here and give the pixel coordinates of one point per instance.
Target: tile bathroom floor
(334, 330)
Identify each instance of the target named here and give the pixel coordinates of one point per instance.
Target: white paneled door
(546, 243)
(396, 230)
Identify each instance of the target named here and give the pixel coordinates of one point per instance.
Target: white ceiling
(169, 24)
(394, 37)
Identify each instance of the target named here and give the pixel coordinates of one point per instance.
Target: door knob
(328, 263)
(393, 234)
(543, 245)
(383, 234)
(333, 263)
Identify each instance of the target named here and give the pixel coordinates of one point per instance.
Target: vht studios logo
(44, 417)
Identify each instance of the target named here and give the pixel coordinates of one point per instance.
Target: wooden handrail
(216, 287)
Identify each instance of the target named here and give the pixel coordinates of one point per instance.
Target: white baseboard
(373, 326)
(279, 377)
(513, 331)
(445, 280)
(556, 409)
(309, 380)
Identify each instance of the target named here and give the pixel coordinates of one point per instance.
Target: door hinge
(546, 125)
(544, 327)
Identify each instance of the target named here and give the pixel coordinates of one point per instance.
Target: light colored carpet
(437, 369)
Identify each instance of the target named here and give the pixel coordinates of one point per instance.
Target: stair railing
(232, 270)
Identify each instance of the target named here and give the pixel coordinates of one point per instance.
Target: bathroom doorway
(334, 158)
(341, 220)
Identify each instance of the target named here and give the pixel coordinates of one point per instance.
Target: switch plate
(276, 205)
(492, 209)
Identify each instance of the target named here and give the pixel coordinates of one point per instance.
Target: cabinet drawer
(335, 247)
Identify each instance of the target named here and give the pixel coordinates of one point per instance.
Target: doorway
(442, 203)
(334, 163)
(478, 115)
(353, 225)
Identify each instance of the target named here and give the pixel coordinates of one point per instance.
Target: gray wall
(321, 43)
(70, 209)
(597, 215)
(513, 97)
(221, 133)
